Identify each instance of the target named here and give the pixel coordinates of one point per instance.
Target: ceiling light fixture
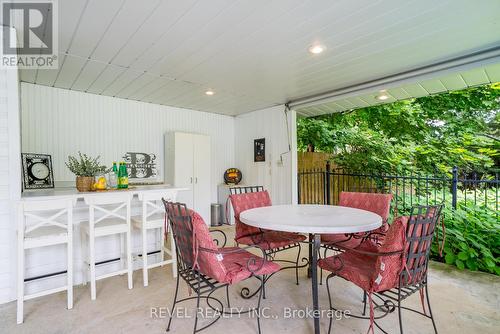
(382, 95)
(210, 92)
(316, 49)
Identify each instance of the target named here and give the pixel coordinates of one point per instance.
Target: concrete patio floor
(463, 302)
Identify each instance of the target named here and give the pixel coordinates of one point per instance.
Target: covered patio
(133, 311)
(143, 129)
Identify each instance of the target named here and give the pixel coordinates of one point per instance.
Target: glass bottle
(113, 176)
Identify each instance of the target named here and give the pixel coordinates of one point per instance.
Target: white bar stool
(153, 217)
(42, 223)
(111, 221)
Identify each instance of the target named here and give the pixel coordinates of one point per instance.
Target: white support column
(20, 267)
(294, 167)
(10, 176)
(70, 257)
(130, 265)
(92, 255)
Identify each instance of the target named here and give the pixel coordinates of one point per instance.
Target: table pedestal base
(314, 249)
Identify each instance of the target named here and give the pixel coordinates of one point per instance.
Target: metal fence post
(327, 181)
(298, 188)
(454, 185)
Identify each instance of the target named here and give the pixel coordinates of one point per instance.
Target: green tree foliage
(428, 134)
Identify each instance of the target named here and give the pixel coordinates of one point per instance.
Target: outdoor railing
(317, 186)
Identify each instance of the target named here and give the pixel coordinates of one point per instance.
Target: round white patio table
(313, 220)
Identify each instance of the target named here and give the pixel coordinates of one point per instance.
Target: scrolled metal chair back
(420, 232)
(181, 223)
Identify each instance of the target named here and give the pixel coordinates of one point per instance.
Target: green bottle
(125, 176)
(122, 176)
(125, 172)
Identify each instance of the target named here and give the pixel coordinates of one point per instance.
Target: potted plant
(85, 169)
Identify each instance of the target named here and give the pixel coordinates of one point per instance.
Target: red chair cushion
(389, 267)
(270, 240)
(238, 265)
(246, 201)
(225, 268)
(369, 272)
(354, 267)
(373, 202)
(209, 264)
(249, 235)
(341, 239)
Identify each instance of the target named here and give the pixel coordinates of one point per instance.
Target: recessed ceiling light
(382, 95)
(210, 92)
(316, 49)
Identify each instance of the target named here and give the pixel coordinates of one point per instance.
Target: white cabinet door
(202, 173)
(184, 167)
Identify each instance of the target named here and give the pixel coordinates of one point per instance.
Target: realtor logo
(33, 41)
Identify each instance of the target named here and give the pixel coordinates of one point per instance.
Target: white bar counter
(57, 193)
(48, 260)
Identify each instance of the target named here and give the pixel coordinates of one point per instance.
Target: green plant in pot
(85, 168)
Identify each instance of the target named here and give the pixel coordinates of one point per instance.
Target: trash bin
(216, 214)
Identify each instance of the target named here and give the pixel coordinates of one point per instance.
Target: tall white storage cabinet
(187, 165)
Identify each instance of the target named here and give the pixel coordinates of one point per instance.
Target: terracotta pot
(84, 183)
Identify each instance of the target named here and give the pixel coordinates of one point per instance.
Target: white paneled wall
(9, 180)
(276, 175)
(60, 122)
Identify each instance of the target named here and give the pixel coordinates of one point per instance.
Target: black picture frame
(259, 150)
(30, 182)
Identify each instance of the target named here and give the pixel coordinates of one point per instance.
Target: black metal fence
(323, 186)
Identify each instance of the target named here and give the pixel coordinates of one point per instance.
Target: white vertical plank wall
(276, 175)
(10, 186)
(61, 122)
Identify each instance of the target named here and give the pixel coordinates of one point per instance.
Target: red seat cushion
(369, 272)
(270, 240)
(225, 268)
(341, 240)
(238, 264)
(354, 267)
(373, 202)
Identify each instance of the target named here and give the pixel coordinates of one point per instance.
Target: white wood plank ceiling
(254, 53)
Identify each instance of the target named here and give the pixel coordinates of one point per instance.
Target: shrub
(472, 238)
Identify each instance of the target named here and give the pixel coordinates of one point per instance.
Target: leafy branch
(83, 165)
(429, 134)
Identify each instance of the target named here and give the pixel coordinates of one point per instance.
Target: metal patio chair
(392, 271)
(206, 268)
(272, 242)
(373, 202)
